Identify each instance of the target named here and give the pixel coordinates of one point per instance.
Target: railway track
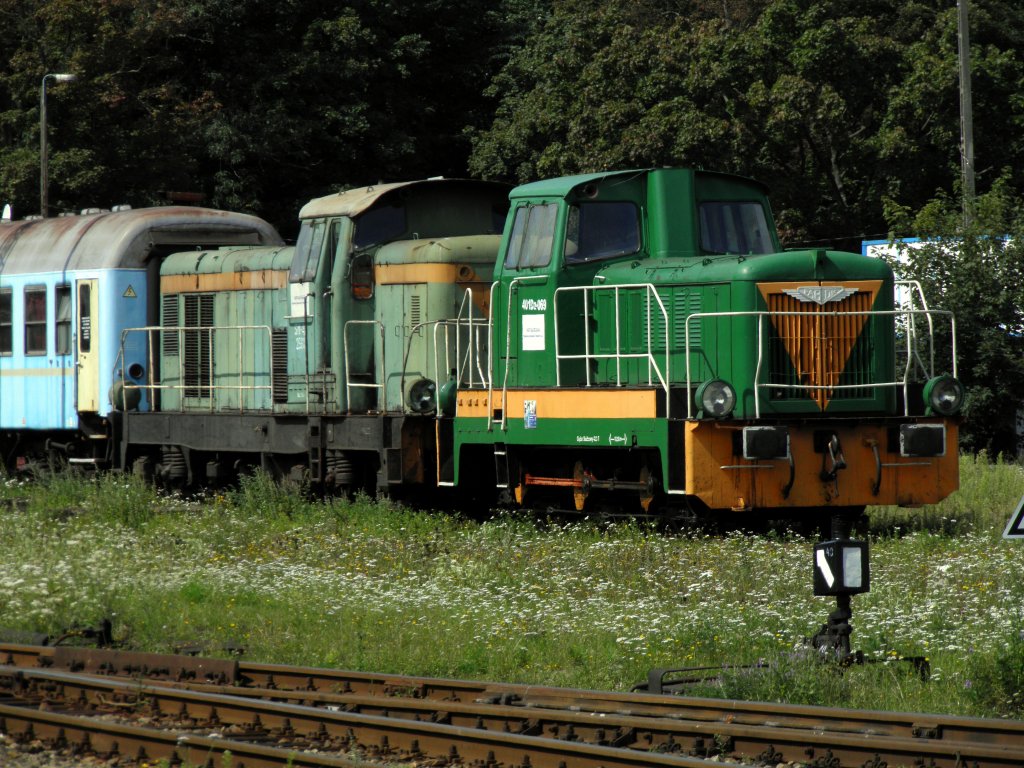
(150, 707)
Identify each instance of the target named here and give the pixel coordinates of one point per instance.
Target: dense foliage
(975, 266)
(260, 106)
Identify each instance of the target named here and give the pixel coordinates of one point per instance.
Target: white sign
(533, 333)
(1015, 528)
(299, 292)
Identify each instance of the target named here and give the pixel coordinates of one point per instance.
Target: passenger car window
(734, 227)
(6, 328)
(62, 321)
(596, 231)
(533, 235)
(35, 320)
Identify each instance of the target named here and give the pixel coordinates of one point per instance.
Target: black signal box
(841, 567)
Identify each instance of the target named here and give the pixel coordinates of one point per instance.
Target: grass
(374, 586)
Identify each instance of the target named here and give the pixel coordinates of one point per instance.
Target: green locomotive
(317, 361)
(653, 348)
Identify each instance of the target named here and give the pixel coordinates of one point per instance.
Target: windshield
(533, 234)
(734, 227)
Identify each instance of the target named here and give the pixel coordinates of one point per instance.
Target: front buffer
(829, 463)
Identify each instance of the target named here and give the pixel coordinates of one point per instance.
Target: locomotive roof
(122, 239)
(354, 201)
(564, 185)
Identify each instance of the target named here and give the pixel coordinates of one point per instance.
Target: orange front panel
(722, 479)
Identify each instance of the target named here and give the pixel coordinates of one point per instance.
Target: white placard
(533, 333)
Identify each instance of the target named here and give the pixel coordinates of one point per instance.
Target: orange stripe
(566, 403)
(261, 279)
(409, 274)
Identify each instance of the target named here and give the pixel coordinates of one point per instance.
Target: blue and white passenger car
(68, 287)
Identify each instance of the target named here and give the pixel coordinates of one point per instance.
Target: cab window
(734, 227)
(532, 238)
(379, 225)
(596, 231)
(307, 251)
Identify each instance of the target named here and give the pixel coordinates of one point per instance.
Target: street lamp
(44, 201)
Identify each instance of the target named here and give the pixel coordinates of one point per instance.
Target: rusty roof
(354, 201)
(122, 239)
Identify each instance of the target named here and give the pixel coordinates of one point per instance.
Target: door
(87, 347)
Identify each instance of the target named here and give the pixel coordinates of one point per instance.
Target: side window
(62, 321)
(596, 231)
(533, 236)
(6, 326)
(35, 320)
(734, 227)
(307, 251)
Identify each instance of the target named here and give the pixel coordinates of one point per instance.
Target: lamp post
(44, 195)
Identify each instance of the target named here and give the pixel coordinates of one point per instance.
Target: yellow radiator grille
(813, 349)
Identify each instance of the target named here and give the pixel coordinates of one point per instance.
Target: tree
(834, 104)
(258, 106)
(976, 269)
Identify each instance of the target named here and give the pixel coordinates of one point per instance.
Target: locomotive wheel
(647, 495)
(580, 487)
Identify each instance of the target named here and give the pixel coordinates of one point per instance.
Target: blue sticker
(530, 414)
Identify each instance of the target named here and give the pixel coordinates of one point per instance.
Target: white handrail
(150, 388)
(349, 384)
(653, 369)
(761, 314)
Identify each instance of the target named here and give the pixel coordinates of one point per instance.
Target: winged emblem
(820, 294)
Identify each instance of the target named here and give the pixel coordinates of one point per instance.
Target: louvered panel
(679, 304)
(818, 349)
(415, 310)
(198, 361)
(279, 364)
(169, 339)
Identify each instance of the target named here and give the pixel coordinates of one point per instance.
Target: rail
(469, 370)
(908, 292)
(512, 287)
(288, 711)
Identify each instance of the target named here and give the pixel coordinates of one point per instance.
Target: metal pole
(44, 195)
(966, 112)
